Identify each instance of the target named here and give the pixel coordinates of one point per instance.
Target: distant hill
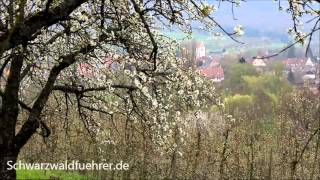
(250, 32)
(254, 40)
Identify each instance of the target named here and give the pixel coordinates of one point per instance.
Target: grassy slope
(40, 174)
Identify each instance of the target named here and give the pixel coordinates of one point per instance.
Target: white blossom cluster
(128, 67)
(302, 12)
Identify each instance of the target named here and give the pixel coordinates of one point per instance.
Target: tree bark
(8, 152)
(198, 150)
(269, 175)
(174, 155)
(223, 154)
(7, 156)
(8, 118)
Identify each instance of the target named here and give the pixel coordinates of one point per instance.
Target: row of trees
(267, 130)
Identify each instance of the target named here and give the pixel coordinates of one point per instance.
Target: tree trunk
(8, 151)
(198, 149)
(7, 159)
(174, 155)
(8, 117)
(223, 155)
(269, 174)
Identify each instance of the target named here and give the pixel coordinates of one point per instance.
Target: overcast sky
(258, 14)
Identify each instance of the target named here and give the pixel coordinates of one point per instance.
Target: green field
(41, 174)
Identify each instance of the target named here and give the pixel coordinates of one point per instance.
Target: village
(303, 71)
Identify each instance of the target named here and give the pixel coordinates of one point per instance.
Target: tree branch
(80, 90)
(29, 29)
(10, 97)
(33, 121)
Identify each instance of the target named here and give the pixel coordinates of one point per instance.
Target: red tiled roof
(294, 62)
(213, 72)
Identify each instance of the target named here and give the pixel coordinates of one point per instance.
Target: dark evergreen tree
(242, 60)
(291, 78)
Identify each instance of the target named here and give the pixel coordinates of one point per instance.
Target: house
(216, 74)
(259, 63)
(309, 66)
(309, 63)
(294, 64)
(303, 68)
(309, 77)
